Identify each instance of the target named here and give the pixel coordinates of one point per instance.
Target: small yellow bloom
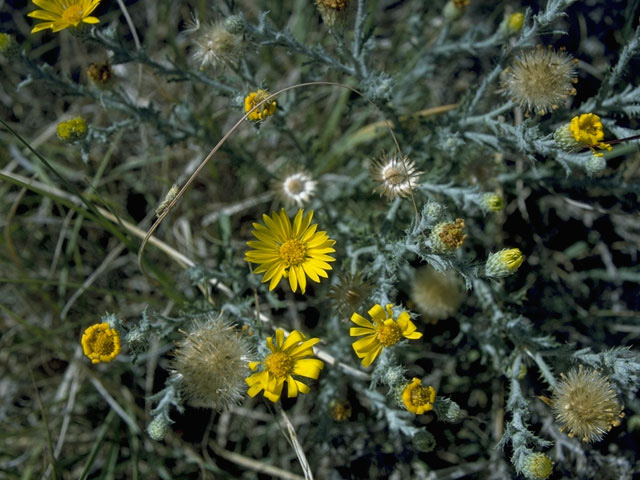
(61, 14)
(72, 130)
(290, 251)
(515, 21)
(287, 358)
(384, 332)
(101, 343)
(504, 263)
(417, 398)
(492, 202)
(587, 130)
(265, 110)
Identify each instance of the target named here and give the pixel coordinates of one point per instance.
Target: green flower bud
(158, 428)
(434, 210)
(595, 165)
(503, 263)
(564, 138)
(537, 466)
(447, 410)
(8, 46)
(492, 202)
(138, 341)
(234, 24)
(424, 441)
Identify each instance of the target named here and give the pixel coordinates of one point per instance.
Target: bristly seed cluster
(540, 79)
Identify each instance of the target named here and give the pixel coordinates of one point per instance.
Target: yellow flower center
(420, 396)
(389, 334)
(279, 364)
(293, 252)
(102, 343)
(72, 14)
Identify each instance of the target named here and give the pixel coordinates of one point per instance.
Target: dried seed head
(295, 188)
(349, 293)
(397, 176)
(334, 13)
(216, 47)
(540, 79)
(100, 74)
(436, 295)
(585, 405)
(446, 237)
(212, 360)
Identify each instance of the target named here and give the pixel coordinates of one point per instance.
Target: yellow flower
(61, 14)
(101, 343)
(287, 358)
(385, 332)
(417, 398)
(290, 251)
(515, 21)
(265, 110)
(587, 130)
(72, 130)
(504, 263)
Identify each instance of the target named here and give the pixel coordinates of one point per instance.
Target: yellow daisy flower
(417, 398)
(290, 251)
(101, 343)
(385, 332)
(287, 358)
(61, 14)
(587, 130)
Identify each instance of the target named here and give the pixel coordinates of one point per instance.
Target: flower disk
(287, 358)
(585, 404)
(265, 110)
(101, 343)
(384, 332)
(540, 79)
(61, 14)
(290, 251)
(417, 398)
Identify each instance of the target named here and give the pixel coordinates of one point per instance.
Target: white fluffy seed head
(396, 176)
(540, 79)
(436, 295)
(212, 360)
(585, 405)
